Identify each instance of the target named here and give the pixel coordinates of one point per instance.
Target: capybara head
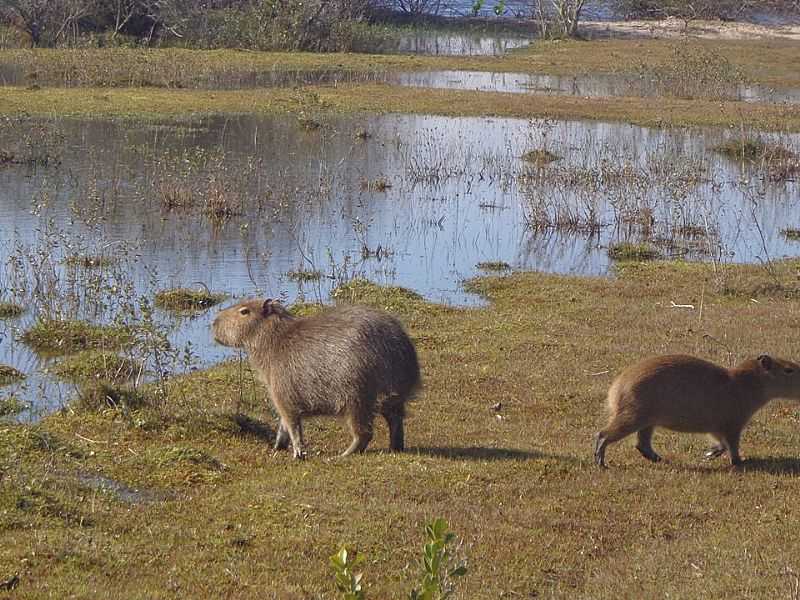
(782, 377)
(236, 325)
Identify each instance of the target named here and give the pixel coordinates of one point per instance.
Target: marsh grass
(11, 406)
(493, 265)
(100, 395)
(381, 184)
(9, 375)
(185, 299)
(754, 150)
(88, 261)
(303, 276)
(10, 310)
(628, 251)
(97, 365)
(546, 347)
(58, 337)
(791, 233)
(540, 157)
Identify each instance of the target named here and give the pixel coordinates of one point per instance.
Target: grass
(9, 375)
(628, 251)
(184, 299)
(93, 365)
(147, 103)
(791, 233)
(302, 276)
(11, 406)
(520, 488)
(59, 337)
(773, 63)
(494, 265)
(89, 261)
(754, 150)
(10, 310)
(540, 157)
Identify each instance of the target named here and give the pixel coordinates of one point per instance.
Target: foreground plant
(348, 582)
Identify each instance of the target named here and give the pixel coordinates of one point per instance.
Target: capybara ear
(765, 360)
(266, 308)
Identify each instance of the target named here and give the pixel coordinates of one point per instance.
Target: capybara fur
(688, 394)
(351, 361)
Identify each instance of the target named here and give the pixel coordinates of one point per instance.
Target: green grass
(58, 337)
(10, 406)
(10, 310)
(628, 251)
(9, 375)
(183, 299)
(518, 485)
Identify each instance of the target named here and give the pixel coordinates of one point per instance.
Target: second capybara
(688, 394)
(351, 361)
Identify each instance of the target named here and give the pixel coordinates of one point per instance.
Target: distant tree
(563, 14)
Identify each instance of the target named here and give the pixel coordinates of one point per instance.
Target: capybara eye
(244, 311)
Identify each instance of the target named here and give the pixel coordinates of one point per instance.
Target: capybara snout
(351, 361)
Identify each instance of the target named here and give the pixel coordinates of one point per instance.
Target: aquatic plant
(55, 336)
(97, 365)
(494, 265)
(9, 310)
(628, 251)
(9, 375)
(185, 299)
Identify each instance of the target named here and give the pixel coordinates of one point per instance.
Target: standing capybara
(351, 360)
(689, 394)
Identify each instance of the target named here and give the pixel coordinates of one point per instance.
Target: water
(459, 194)
(591, 86)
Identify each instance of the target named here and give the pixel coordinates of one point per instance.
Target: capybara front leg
(295, 429)
(731, 443)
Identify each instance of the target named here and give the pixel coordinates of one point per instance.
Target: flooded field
(96, 217)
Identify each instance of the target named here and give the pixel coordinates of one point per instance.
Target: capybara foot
(714, 452)
(648, 453)
(282, 439)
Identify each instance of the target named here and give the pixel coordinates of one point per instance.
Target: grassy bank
(142, 103)
(773, 63)
(217, 515)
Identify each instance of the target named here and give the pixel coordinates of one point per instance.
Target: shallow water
(590, 86)
(458, 194)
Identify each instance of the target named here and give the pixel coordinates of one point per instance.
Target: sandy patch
(676, 28)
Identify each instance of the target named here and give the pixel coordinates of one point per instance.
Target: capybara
(349, 360)
(684, 393)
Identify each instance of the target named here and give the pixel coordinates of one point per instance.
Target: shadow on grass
(479, 453)
(254, 428)
(775, 466)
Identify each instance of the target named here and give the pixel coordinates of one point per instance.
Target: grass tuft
(627, 251)
(304, 276)
(791, 233)
(57, 337)
(494, 266)
(540, 157)
(363, 291)
(11, 406)
(89, 261)
(184, 299)
(97, 365)
(9, 375)
(754, 150)
(9, 310)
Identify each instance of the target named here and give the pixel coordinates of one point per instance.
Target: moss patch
(57, 337)
(183, 299)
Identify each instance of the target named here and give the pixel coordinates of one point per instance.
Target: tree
(46, 21)
(564, 14)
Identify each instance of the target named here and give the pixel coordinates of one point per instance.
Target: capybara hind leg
(731, 443)
(282, 438)
(361, 427)
(394, 415)
(645, 447)
(612, 433)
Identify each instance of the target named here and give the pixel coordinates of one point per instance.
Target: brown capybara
(684, 393)
(350, 360)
